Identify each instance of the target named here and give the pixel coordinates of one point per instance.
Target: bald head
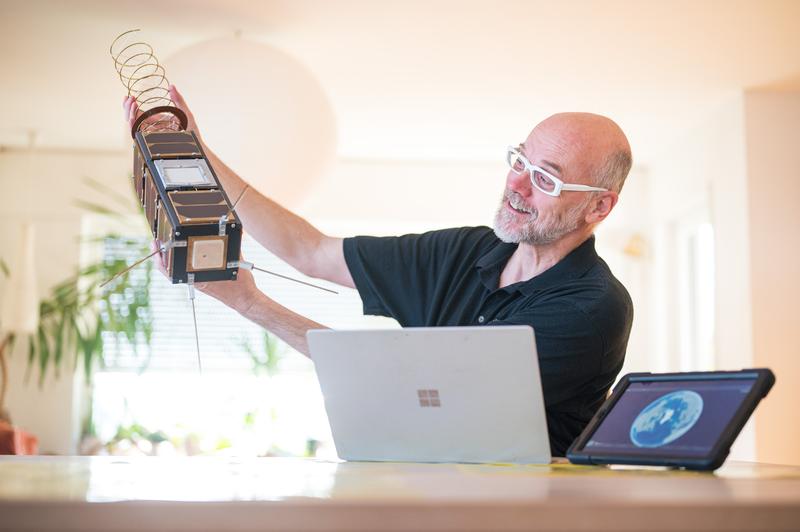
(592, 148)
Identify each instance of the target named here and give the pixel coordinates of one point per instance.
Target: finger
(130, 108)
(132, 111)
(177, 97)
(159, 258)
(180, 103)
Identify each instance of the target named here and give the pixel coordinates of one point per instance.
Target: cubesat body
(187, 210)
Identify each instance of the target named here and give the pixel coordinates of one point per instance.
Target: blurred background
(385, 117)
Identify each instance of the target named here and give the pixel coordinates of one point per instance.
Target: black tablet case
(764, 379)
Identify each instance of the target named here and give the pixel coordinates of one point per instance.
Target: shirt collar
(573, 266)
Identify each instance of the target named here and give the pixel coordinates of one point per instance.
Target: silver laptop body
(440, 394)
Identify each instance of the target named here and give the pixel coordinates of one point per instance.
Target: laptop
(440, 394)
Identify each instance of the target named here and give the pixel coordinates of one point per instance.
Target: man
(538, 266)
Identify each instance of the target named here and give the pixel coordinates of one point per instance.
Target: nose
(519, 183)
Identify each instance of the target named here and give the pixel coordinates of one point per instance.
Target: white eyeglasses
(541, 178)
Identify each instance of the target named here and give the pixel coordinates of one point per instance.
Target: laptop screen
(682, 418)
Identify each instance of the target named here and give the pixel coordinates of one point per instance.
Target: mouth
(518, 210)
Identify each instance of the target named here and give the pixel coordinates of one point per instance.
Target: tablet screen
(669, 418)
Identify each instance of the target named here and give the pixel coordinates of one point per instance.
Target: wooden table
(143, 494)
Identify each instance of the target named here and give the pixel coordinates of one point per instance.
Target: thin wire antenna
(190, 285)
(196, 338)
(293, 279)
(224, 218)
(132, 266)
(245, 265)
(241, 195)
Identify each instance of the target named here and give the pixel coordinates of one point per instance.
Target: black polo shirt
(580, 313)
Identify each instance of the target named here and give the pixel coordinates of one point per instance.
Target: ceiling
(416, 79)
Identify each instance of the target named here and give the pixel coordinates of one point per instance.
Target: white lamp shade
(261, 111)
(20, 312)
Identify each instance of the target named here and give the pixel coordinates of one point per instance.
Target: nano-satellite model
(191, 218)
(186, 208)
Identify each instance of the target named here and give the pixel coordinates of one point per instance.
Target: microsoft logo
(428, 398)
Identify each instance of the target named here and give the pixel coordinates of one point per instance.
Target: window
(245, 402)
(695, 246)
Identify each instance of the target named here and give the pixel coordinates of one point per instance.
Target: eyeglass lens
(542, 182)
(519, 164)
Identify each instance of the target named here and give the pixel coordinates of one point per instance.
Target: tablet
(684, 420)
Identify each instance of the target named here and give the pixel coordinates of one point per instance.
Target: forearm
(284, 233)
(287, 235)
(287, 325)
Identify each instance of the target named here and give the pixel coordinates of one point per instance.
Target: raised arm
(284, 233)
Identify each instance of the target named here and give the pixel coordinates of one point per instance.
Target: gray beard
(535, 232)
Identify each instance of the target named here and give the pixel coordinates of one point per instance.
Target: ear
(601, 206)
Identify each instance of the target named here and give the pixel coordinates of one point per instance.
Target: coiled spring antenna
(146, 80)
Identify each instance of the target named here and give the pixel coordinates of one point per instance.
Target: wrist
(247, 301)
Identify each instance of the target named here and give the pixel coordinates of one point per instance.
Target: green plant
(135, 434)
(78, 311)
(80, 321)
(265, 359)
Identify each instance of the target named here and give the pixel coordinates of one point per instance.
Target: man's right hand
(130, 109)
(238, 294)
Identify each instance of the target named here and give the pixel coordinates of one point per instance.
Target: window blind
(225, 335)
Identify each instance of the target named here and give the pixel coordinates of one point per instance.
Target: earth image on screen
(666, 419)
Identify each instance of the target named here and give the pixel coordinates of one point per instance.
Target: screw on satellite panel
(192, 219)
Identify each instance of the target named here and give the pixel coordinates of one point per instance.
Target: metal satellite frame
(195, 225)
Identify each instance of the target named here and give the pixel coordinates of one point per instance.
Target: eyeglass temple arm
(568, 186)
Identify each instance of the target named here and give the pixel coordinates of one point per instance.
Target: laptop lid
(441, 394)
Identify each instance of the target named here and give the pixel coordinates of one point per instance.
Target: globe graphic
(666, 419)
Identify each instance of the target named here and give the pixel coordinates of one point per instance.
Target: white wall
(740, 164)
(40, 188)
(772, 122)
(628, 224)
(703, 175)
(439, 193)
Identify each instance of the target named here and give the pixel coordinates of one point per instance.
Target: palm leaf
(94, 345)
(12, 339)
(96, 208)
(113, 310)
(31, 357)
(44, 354)
(58, 340)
